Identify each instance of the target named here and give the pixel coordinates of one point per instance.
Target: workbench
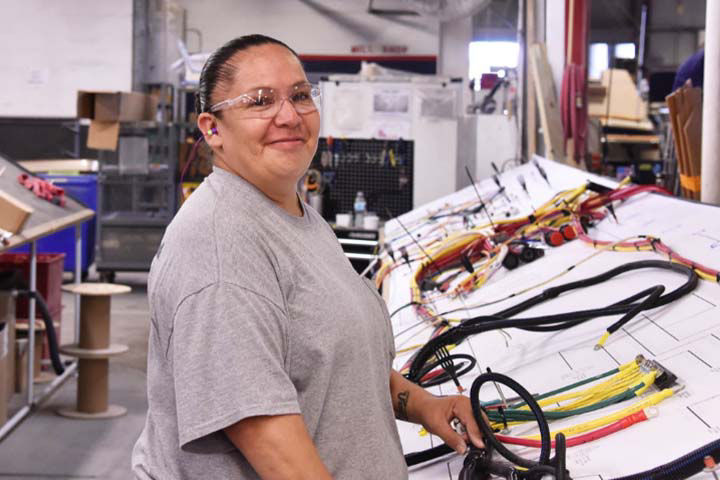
(46, 219)
(683, 336)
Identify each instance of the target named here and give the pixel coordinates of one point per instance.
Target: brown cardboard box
(7, 353)
(625, 101)
(108, 109)
(13, 213)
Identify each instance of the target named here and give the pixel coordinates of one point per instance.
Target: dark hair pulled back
(217, 69)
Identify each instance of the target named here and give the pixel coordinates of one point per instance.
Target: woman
(269, 356)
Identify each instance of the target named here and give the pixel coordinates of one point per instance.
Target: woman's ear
(207, 123)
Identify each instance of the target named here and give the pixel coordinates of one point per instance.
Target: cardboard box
(625, 101)
(7, 352)
(108, 109)
(13, 213)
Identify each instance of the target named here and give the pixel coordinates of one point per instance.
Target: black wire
(489, 435)
(409, 304)
(12, 280)
(654, 294)
(50, 334)
(423, 456)
(683, 467)
(472, 468)
(478, 462)
(460, 370)
(560, 457)
(555, 322)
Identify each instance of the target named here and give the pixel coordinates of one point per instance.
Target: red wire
(621, 424)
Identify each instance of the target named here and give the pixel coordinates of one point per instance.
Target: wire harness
(472, 326)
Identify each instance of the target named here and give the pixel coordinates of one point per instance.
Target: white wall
(320, 27)
(555, 39)
(454, 58)
(50, 49)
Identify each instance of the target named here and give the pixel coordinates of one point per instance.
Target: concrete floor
(47, 446)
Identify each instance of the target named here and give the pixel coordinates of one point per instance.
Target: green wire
(572, 386)
(559, 390)
(514, 415)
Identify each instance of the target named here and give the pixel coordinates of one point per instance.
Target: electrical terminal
(458, 426)
(711, 466)
(664, 379)
(601, 343)
(647, 380)
(678, 388)
(651, 412)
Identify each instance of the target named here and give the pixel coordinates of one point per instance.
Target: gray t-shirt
(257, 312)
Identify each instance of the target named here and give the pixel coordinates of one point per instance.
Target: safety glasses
(266, 102)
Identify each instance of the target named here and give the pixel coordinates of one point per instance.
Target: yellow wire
(653, 399)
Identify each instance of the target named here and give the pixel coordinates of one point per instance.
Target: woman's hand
(414, 404)
(437, 413)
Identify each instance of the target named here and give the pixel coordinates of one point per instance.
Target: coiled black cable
(478, 463)
(489, 435)
(559, 321)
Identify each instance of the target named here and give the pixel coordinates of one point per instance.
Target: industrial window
(625, 50)
(599, 60)
(492, 57)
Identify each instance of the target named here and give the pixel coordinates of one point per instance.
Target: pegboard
(381, 169)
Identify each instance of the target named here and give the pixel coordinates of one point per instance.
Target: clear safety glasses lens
(266, 102)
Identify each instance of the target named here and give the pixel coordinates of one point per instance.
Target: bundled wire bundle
(462, 262)
(628, 307)
(623, 383)
(626, 382)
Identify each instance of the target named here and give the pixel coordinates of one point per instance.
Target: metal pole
(370, 266)
(711, 107)
(78, 278)
(31, 323)
(14, 421)
(26, 410)
(641, 43)
(50, 389)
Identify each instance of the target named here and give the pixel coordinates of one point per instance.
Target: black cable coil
(479, 464)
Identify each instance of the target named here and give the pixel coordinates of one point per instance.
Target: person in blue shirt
(693, 68)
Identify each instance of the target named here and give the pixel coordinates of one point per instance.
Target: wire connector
(601, 343)
(665, 378)
(711, 466)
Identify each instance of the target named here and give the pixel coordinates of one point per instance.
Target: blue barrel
(84, 189)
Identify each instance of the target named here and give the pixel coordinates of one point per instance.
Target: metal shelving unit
(137, 201)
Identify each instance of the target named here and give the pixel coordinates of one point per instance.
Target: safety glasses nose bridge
(279, 102)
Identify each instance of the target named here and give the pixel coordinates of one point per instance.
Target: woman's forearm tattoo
(402, 405)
